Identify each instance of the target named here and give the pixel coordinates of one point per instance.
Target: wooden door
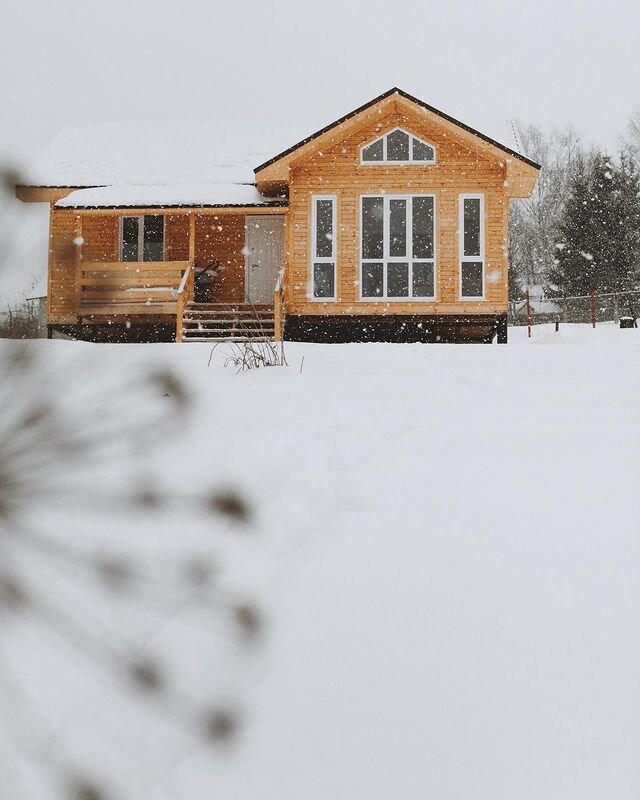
(265, 256)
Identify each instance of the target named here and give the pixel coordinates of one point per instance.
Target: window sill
(398, 299)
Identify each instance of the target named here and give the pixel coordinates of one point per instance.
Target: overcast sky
(551, 61)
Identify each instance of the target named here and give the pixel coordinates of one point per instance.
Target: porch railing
(132, 287)
(184, 294)
(279, 307)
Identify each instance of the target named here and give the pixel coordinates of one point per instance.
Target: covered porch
(183, 265)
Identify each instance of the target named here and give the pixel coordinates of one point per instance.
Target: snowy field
(449, 558)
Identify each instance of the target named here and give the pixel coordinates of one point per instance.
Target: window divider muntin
(334, 249)
(409, 257)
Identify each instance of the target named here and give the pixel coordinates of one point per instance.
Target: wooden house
(390, 224)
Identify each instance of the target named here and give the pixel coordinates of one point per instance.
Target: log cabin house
(390, 224)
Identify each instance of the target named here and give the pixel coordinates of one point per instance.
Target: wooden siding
(221, 239)
(176, 237)
(458, 170)
(100, 238)
(63, 254)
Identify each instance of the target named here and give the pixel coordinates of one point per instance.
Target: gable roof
(202, 156)
(412, 99)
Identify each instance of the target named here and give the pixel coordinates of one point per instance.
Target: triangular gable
(521, 171)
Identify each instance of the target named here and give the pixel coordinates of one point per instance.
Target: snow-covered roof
(181, 153)
(149, 195)
(175, 153)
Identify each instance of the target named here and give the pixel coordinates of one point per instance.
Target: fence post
(526, 296)
(593, 308)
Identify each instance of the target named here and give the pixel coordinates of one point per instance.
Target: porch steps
(218, 322)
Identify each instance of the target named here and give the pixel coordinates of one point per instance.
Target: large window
(398, 247)
(398, 147)
(323, 248)
(142, 238)
(471, 227)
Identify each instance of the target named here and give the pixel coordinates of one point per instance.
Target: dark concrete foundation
(115, 332)
(410, 328)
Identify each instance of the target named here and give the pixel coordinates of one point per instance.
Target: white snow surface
(172, 153)
(175, 195)
(452, 571)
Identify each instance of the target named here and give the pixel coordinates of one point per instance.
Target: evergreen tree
(599, 231)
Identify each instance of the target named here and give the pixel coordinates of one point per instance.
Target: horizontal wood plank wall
(63, 253)
(221, 239)
(337, 171)
(176, 237)
(100, 238)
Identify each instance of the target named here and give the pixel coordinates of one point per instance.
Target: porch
(220, 277)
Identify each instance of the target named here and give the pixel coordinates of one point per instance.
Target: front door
(265, 256)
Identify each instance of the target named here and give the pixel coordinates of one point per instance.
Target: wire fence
(589, 308)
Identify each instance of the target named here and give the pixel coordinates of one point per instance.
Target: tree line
(580, 231)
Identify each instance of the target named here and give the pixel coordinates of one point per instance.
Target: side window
(323, 247)
(142, 238)
(471, 226)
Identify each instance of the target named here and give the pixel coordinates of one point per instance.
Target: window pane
(374, 152)
(323, 280)
(422, 151)
(471, 221)
(423, 283)
(423, 227)
(398, 280)
(372, 280)
(397, 228)
(324, 228)
(472, 279)
(153, 237)
(130, 238)
(397, 146)
(372, 226)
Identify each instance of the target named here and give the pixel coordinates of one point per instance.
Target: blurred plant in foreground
(111, 571)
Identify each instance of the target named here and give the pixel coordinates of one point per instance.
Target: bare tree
(631, 138)
(533, 221)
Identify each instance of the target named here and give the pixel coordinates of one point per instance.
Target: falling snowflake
(586, 256)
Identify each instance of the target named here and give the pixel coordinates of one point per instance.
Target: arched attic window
(398, 147)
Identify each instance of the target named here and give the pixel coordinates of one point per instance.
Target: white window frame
(332, 259)
(410, 162)
(461, 257)
(386, 258)
(140, 218)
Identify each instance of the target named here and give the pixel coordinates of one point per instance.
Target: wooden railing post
(179, 317)
(278, 322)
(182, 297)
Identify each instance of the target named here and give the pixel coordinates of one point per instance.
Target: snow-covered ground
(449, 547)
